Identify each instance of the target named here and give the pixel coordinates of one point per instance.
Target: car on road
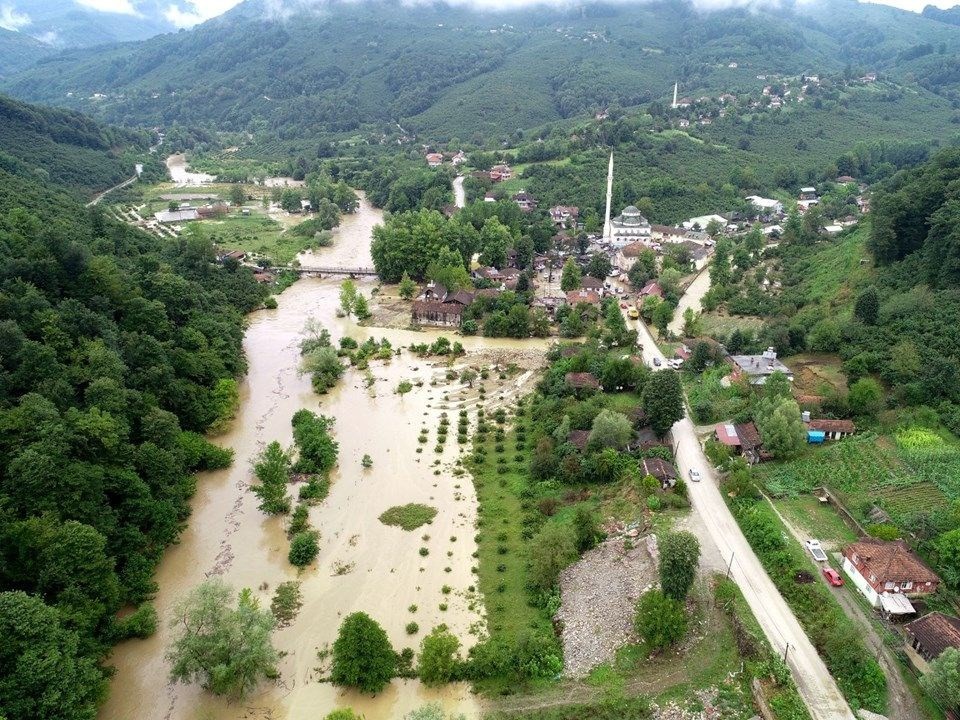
(695, 475)
(623, 306)
(633, 314)
(833, 577)
(656, 362)
(816, 549)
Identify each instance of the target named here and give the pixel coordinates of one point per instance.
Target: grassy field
(816, 374)
(808, 514)
(717, 325)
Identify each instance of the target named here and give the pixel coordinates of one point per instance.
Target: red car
(833, 577)
(623, 306)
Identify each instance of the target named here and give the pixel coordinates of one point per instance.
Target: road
(459, 195)
(901, 703)
(96, 200)
(817, 687)
(691, 299)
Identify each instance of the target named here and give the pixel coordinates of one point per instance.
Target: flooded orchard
(363, 564)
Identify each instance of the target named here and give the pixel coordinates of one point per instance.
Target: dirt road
(690, 299)
(817, 687)
(96, 200)
(459, 194)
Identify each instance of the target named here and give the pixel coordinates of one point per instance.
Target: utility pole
(730, 565)
(785, 651)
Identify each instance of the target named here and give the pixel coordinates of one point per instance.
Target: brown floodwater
(363, 564)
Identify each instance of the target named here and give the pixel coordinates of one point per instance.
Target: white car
(816, 549)
(695, 475)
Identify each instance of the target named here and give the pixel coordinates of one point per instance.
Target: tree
(586, 532)
(777, 385)
(226, 648)
(679, 555)
(943, 679)
(691, 323)
(303, 548)
(551, 550)
(781, 427)
(663, 400)
(494, 240)
(700, 357)
(611, 429)
(948, 556)
(438, 656)
(720, 267)
(43, 673)
(643, 269)
(272, 469)
(362, 655)
(237, 195)
(348, 296)
(407, 286)
(361, 308)
(865, 397)
(867, 307)
(599, 266)
(660, 620)
(571, 277)
(662, 315)
(468, 376)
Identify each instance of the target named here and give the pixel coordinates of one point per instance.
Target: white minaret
(674, 106)
(607, 227)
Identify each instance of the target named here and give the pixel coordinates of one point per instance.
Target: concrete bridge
(327, 271)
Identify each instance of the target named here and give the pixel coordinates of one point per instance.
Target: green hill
(65, 148)
(449, 71)
(19, 51)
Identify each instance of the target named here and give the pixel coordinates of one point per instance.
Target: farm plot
(898, 474)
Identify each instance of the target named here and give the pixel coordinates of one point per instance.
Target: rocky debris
(707, 708)
(867, 715)
(598, 595)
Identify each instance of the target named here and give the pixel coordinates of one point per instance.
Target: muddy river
(177, 167)
(363, 564)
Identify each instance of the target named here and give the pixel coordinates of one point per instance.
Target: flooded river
(363, 564)
(177, 167)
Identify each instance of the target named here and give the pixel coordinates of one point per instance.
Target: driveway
(817, 687)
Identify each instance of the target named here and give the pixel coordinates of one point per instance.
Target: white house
(765, 206)
(704, 220)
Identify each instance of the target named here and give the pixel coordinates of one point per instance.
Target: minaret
(674, 106)
(607, 227)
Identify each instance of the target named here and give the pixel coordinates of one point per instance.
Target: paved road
(817, 687)
(459, 195)
(691, 299)
(96, 200)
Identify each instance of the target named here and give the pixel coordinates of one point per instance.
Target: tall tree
(781, 428)
(494, 240)
(679, 556)
(226, 648)
(571, 277)
(348, 296)
(611, 429)
(272, 469)
(943, 679)
(663, 400)
(551, 550)
(867, 307)
(438, 656)
(362, 655)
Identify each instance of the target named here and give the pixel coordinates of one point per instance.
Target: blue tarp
(816, 436)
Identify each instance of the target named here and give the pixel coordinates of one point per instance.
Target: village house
(626, 256)
(579, 439)
(667, 233)
(887, 573)
(499, 173)
(582, 382)
(174, 216)
(237, 255)
(663, 471)
(525, 201)
(435, 159)
(565, 215)
(652, 288)
(550, 304)
(591, 297)
(765, 206)
(932, 634)
(703, 221)
(591, 283)
(428, 312)
(744, 439)
(757, 368)
(819, 430)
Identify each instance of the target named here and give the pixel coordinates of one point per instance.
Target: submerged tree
(225, 647)
(362, 655)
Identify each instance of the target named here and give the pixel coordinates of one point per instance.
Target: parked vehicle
(832, 576)
(816, 549)
(633, 314)
(695, 475)
(656, 362)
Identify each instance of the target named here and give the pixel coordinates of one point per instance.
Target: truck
(633, 313)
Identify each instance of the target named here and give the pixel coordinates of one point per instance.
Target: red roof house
(882, 567)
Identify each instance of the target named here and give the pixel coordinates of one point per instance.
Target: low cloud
(120, 7)
(10, 19)
(188, 13)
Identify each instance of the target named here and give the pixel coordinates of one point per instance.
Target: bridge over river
(323, 271)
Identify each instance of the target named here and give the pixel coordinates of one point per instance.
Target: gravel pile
(598, 594)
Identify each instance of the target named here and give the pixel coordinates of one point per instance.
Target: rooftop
(935, 632)
(582, 380)
(890, 561)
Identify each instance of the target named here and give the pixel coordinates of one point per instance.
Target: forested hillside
(66, 148)
(448, 71)
(19, 51)
(116, 352)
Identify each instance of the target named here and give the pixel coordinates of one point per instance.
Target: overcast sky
(185, 13)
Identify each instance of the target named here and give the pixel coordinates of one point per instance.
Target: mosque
(627, 227)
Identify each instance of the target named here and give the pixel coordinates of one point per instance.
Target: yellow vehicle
(632, 313)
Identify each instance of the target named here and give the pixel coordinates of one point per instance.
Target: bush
(661, 621)
(304, 548)
(286, 602)
(412, 628)
(362, 655)
(141, 623)
(679, 557)
(438, 656)
(551, 550)
(409, 516)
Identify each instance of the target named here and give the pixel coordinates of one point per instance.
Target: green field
(874, 469)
